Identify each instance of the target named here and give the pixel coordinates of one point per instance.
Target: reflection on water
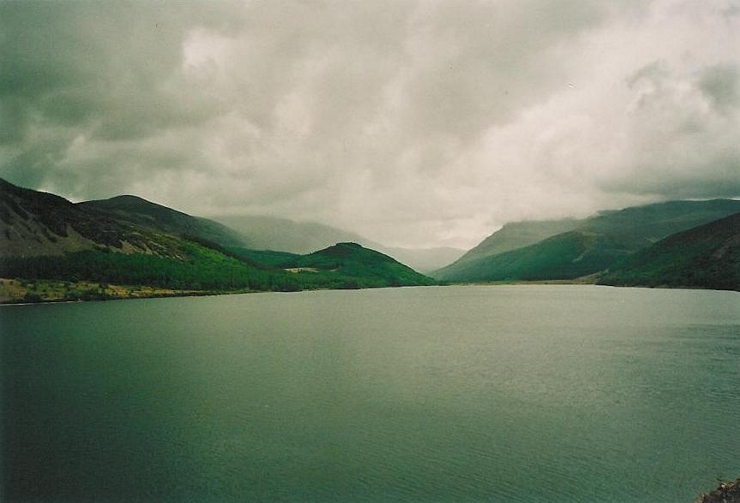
(517, 393)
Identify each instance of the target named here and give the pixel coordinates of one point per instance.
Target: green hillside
(265, 257)
(565, 256)
(640, 226)
(130, 241)
(141, 212)
(511, 236)
(592, 246)
(280, 234)
(707, 256)
(349, 265)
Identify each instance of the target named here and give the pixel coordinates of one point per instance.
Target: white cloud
(412, 122)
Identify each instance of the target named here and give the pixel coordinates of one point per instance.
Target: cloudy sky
(413, 123)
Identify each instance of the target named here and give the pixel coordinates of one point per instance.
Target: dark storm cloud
(413, 122)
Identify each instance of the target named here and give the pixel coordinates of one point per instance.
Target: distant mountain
(280, 234)
(591, 245)
(707, 256)
(510, 237)
(355, 266)
(640, 226)
(424, 260)
(127, 240)
(565, 256)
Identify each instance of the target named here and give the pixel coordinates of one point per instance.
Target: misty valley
(127, 247)
(317, 379)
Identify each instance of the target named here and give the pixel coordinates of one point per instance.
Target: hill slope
(130, 241)
(707, 256)
(37, 223)
(145, 213)
(565, 256)
(280, 234)
(511, 236)
(353, 266)
(608, 236)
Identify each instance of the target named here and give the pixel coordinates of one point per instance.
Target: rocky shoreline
(726, 492)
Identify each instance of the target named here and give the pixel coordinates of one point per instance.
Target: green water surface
(437, 394)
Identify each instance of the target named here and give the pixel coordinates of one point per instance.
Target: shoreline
(15, 292)
(20, 292)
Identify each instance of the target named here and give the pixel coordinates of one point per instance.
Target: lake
(439, 394)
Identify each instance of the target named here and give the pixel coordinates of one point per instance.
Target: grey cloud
(480, 62)
(77, 62)
(721, 83)
(418, 122)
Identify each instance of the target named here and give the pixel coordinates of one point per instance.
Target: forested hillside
(707, 256)
(47, 240)
(590, 247)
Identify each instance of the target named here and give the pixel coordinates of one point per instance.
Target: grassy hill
(707, 256)
(640, 226)
(349, 265)
(593, 244)
(511, 236)
(518, 235)
(280, 234)
(565, 256)
(129, 241)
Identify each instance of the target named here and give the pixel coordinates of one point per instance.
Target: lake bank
(19, 291)
(22, 291)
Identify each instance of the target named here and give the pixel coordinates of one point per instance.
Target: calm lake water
(438, 394)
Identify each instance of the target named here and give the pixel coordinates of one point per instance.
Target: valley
(127, 247)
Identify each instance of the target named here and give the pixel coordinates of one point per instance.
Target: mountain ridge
(707, 256)
(128, 240)
(623, 232)
(285, 235)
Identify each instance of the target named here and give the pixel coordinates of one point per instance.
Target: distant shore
(18, 291)
(21, 291)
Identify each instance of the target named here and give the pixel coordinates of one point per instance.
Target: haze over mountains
(128, 240)
(280, 234)
(570, 249)
(704, 256)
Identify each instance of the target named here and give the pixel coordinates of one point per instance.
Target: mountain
(510, 237)
(280, 234)
(354, 266)
(37, 223)
(139, 211)
(707, 256)
(565, 256)
(424, 260)
(587, 247)
(640, 226)
(49, 246)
